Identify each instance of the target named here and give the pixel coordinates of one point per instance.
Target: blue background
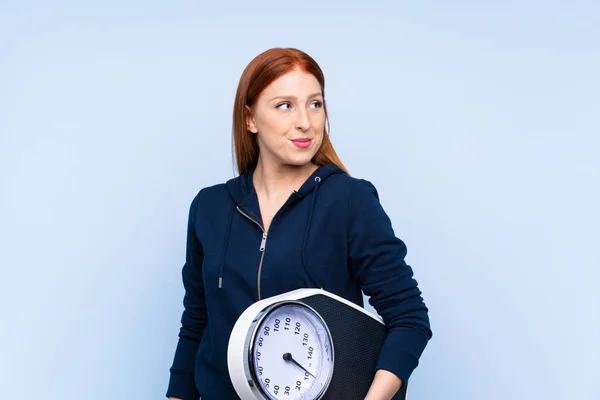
(477, 121)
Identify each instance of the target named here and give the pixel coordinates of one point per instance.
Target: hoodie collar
(243, 193)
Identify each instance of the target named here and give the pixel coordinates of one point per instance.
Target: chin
(300, 161)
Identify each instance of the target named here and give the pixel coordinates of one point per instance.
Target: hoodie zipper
(263, 244)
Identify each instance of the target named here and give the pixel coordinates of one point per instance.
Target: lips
(302, 142)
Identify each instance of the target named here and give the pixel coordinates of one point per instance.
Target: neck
(276, 180)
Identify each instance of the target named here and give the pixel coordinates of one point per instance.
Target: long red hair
(261, 71)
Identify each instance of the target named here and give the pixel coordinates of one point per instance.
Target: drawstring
(225, 247)
(308, 224)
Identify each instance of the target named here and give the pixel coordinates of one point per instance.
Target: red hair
(262, 70)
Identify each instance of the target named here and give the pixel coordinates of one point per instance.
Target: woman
(293, 219)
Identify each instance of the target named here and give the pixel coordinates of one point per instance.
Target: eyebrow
(294, 97)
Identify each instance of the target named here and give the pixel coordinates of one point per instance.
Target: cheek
(319, 143)
(272, 124)
(271, 131)
(318, 123)
(319, 118)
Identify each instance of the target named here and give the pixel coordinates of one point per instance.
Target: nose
(302, 120)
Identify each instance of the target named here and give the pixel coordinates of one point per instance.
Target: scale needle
(288, 357)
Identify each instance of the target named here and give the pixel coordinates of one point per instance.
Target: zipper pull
(263, 242)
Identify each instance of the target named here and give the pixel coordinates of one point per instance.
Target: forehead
(295, 83)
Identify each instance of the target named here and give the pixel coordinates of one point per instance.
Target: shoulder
(209, 193)
(352, 187)
(211, 196)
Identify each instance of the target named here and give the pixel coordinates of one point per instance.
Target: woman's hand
(384, 386)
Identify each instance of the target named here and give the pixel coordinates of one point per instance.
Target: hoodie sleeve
(377, 261)
(193, 319)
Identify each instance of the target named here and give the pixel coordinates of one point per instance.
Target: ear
(250, 121)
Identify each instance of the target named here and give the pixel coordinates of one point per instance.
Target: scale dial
(291, 352)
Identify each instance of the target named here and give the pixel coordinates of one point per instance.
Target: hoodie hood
(241, 188)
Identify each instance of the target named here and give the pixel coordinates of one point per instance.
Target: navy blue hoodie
(332, 234)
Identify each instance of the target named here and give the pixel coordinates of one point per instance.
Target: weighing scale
(307, 344)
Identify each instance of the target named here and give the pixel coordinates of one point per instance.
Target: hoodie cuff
(401, 351)
(182, 385)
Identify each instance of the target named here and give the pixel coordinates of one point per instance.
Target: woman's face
(289, 119)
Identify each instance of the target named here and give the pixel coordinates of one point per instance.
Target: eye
(318, 104)
(279, 106)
